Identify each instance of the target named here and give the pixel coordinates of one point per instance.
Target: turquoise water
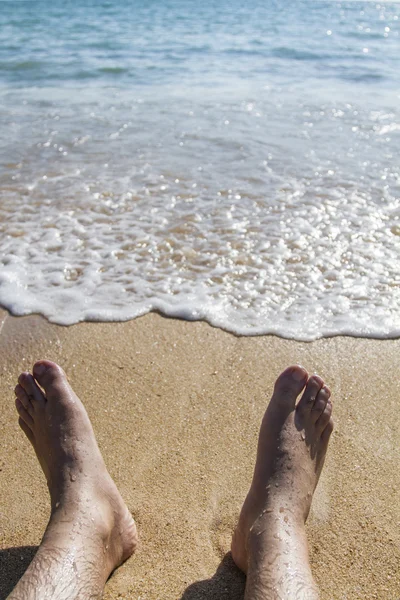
(143, 43)
(228, 162)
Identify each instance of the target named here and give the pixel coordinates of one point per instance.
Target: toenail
(40, 369)
(299, 374)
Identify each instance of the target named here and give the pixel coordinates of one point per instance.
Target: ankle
(275, 528)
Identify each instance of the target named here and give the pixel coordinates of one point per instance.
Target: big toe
(51, 377)
(289, 385)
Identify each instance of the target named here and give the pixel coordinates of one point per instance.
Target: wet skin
(269, 543)
(90, 531)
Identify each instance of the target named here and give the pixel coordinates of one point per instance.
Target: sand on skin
(176, 408)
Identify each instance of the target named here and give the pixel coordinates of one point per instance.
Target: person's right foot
(291, 451)
(86, 506)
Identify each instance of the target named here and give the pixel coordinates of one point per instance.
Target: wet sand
(176, 408)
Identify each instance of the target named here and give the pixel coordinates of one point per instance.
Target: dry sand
(176, 408)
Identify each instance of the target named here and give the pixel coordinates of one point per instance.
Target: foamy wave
(300, 267)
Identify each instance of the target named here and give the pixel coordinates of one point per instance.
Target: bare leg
(90, 531)
(270, 543)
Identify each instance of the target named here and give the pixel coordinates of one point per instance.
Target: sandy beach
(176, 408)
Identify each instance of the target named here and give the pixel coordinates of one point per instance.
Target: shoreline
(185, 316)
(188, 399)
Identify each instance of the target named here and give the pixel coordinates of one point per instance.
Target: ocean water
(227, 161)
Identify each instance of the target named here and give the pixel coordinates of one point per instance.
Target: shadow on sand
(13, 564)
(227, 583)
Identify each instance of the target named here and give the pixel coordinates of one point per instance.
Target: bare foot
(291, 451)
(86, 507)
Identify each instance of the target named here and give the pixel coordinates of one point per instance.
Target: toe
(326, 434)
(23, 381)
(23, 413)
(51, 377)
(306, 403)
(31, 388)
(324, 418)
(319, 404)
(27, 431)
(287, 387)
(23, 398)
(290, 383)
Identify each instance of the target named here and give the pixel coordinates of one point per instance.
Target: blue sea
(235, 162)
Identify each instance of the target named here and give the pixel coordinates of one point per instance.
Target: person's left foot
(84, 498)
(291, 451)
